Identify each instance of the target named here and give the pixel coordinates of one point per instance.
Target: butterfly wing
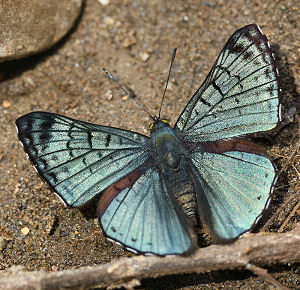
(233, 178)
(78, 159)
(139, 213)
(239, 95)
(233, 183)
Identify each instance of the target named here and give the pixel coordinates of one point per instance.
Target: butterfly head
(158, 124)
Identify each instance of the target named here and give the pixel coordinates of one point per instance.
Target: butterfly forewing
(240, 94)
(77, 159)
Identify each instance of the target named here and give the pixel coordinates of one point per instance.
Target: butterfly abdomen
(181, 186)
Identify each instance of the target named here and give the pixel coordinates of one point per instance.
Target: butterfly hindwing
(144, 216)
(78, 159)
(233, 181)
(240, 94)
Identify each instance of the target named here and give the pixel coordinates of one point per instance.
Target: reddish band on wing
(233, 145)
(113, 190)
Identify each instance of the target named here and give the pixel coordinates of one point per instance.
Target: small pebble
(109, 95)
(25, 231)
(108, 20)
(144, 56)
(6, 104)
(30, 81)
(103, 2)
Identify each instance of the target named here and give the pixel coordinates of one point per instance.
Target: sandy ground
(36, 230)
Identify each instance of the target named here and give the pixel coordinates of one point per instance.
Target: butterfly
(155, 190)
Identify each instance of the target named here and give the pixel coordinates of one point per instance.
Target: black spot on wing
(47, 125)
(44, 137)
(54, 176)
(54, 157)
(237, 48)
(90, 139)
(44, 147)
(247, 55)
(65, 169)
(70, 151)
(271, 89)
(257, 62)
(108, 137)
(44, 162)
(217, 88)
(205, 102)
(267, 73)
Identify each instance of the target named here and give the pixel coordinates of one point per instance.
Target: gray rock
(29, 27)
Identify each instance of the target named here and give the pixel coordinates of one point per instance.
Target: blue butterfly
(155, 189)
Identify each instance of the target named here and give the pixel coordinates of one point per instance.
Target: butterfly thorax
(169, 156)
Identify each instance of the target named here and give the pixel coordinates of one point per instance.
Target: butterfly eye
(165, 121)
(151, 126)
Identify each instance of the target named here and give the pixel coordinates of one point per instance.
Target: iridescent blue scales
(239, 95)
(154, 191)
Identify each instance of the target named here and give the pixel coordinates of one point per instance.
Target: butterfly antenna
(128, 93)
(162, 99)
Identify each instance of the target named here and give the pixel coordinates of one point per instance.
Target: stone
(29, 27)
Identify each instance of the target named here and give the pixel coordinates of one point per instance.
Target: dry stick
(289, 217)
(270, 221)
(263, 273)
(255, 249)
(297, 172)
(284, 167)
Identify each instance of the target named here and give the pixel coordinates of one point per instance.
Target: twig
(263, 273)
(279, 210)
(256, 249)
(286, 164)
(289, 217)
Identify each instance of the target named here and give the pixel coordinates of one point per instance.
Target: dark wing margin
(240, 94)
(76, 159)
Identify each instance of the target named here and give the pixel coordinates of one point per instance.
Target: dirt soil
(134, 40)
